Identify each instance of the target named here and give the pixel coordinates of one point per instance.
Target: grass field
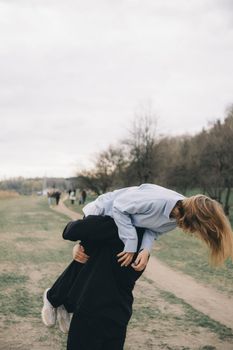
(32, 254)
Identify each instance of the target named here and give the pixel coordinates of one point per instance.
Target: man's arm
(79, 254)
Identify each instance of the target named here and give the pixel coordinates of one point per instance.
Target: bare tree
(108, 172)
(141, 146)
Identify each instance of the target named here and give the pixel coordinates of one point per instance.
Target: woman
(157, 210)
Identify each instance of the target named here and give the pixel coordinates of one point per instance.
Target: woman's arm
(145, 249)
(148, 239)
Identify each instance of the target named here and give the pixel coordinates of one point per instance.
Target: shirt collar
(171, 202)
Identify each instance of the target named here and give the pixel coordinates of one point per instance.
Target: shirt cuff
(147, 245)
(131, 246)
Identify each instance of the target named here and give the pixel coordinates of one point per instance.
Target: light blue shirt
(148, 206)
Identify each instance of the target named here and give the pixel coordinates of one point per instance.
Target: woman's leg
(58, 292)
(55, 301)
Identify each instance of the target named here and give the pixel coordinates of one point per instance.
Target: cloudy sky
(73, 73)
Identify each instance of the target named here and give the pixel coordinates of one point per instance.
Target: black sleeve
(92, 228)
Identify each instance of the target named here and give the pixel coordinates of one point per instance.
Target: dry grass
(8, 194)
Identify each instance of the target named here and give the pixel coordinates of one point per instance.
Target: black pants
(99, 293)
(95, 334)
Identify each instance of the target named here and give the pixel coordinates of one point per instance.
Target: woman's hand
(125, 258)
(79, 254)
(141, 260)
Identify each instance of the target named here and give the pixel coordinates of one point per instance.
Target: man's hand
(141, 260)
(125, 258)
(79, 254)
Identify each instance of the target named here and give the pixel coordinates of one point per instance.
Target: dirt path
(216, 305)
(61, 208)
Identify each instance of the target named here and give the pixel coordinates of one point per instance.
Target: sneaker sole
(43, 311)
(63, 324)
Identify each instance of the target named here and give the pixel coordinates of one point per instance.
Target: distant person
(95, 287)
(57, 196)
(72, 197)
(83, 197)
(49, 198)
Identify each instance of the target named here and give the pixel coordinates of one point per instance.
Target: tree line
(202, 161)
(28, 186)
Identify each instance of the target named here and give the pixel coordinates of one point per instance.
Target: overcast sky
(73, 73)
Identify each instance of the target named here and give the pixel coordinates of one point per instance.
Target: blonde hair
(205, 217)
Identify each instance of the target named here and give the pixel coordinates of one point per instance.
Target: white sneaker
(63, 318)
(48, 312)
